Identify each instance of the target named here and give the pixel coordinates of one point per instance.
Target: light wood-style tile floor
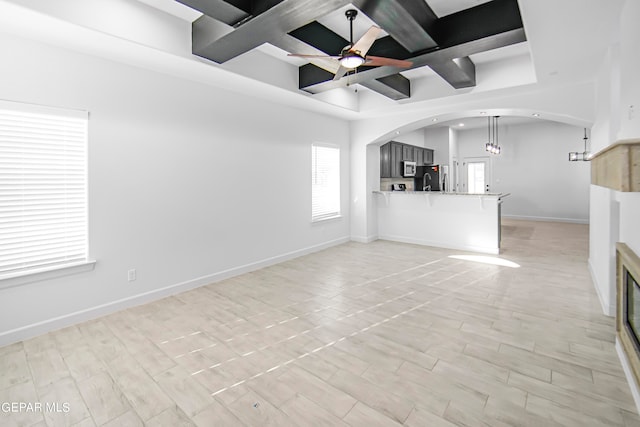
(382, 334)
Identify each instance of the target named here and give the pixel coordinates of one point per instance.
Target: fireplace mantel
(618, 166)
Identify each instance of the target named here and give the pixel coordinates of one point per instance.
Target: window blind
(43, 188)
(325, 189)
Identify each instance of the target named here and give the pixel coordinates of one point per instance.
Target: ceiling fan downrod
(351, 15)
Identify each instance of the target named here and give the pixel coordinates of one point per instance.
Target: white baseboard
(547, 219)
(364, 239)
(608, 307)
(35, 329)
(626, 367)
(402, 239)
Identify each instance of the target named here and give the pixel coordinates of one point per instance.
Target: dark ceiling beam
(254, 7)
(325, 40)
(435, 58)
(481, 21)
(207, 28)
(409, 22)
(284, 17)
(218, 9)
(395, 86)
(458, 72)
(241, 4)
(317, 35)
(478, 29)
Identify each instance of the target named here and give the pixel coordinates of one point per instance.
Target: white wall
(630, 64)
(533, 167)
(438, 140)
(412, 138)
(187, 183)
(618, 88)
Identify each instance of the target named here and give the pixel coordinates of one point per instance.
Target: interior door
(477, 175)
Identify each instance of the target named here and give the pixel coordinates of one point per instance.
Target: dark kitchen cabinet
(418, 154)
(408, 153)
(393, 153)
(428, 156)
(385, 161)
(396, 159)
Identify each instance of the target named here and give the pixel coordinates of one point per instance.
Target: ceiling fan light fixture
(351, 61)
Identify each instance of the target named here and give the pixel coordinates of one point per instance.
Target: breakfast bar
(463, 221)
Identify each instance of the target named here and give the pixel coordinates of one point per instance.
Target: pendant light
(585, 156)
(492, 127)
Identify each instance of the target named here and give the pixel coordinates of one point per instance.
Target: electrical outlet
(131, 275)
(632, 112)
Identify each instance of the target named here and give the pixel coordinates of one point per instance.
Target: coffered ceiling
(436, 35)
(565, 46)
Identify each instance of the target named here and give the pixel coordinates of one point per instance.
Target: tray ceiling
(439, 37)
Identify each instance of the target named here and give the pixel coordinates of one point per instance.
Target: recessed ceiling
(440, 40)
(447, 7)
(553, 54)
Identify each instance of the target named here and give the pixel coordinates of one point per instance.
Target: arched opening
(533, 166)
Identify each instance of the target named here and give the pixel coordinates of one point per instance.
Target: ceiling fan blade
(341, 72)
(362, 46)
(300, 55)
(377, 61)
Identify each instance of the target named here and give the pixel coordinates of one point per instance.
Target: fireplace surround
(628, 306)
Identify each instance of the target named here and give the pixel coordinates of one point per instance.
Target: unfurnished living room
(309, 213)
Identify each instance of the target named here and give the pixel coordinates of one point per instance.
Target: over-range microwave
(409, 168)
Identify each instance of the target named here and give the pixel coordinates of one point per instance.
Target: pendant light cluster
(585, 156)
(492, 129)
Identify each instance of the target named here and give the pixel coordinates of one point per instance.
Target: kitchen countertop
(443, 193)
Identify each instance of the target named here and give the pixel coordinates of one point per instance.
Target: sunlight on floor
(487, 260)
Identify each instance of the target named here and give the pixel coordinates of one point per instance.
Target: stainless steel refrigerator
(428, 178)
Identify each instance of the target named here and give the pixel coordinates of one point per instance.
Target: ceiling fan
(355, 55)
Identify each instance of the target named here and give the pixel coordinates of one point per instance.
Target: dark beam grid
(277, 16)
(434, 58)
(267, 27)
(484, 27)
(409, 22)
(212, 42)
(218, 9)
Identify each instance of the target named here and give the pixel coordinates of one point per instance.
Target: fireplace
(632, 312)
(628, 306)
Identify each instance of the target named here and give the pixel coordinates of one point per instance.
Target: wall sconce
(585, 156)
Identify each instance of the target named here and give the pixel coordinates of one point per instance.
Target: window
(325, 182)
(43, 189)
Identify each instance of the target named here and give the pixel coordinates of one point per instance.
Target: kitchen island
(463, 221)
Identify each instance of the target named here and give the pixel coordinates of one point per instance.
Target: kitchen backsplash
(385, 183)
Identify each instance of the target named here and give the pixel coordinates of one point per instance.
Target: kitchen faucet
(426, 187)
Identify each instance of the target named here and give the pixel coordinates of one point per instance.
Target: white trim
(43, 109)
(608, 307)
(470, 248)
(364, 239)
(626, 367)
(35, 329)
(46, 274)
(547, 219)
(326, 218)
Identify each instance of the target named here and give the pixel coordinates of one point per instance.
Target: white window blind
(325, 188)
(43, 188)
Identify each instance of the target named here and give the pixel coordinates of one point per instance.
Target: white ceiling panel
(447, 7)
